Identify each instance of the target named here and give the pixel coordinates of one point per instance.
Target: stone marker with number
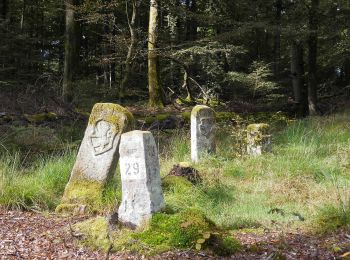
(202, 132)
(142, 193)
(258, 139)
(97, 157)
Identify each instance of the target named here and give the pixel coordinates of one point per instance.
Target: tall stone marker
(202, 132)
(97, 157)
(258, 139)
(142, 193)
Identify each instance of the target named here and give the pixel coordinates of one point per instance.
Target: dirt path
(25, 235)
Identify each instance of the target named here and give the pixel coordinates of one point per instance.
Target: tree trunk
(4, 9)
(131, 50)
(277, 37)
(347, 71)
(191, 24)
(70, 51)
(312, 59)
(155, 93)
(297, 71)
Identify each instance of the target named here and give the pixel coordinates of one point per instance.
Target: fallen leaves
(27, 235)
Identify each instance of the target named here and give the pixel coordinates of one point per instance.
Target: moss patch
(155, 118)
(81, 193)
(39, 118)
(164, 232)
(178, 183)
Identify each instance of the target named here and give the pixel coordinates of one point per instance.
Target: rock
(142, 193)
(185, 170)
(39, 118)
(258, 139)
(97, 157)
(202, 132)
(171, 122)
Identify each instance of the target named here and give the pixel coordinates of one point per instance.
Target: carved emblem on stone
(102, 137)
(206, 126)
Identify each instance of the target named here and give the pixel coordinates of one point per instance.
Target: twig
(109, 251)
(73, 233)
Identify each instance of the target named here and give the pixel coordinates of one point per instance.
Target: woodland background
(290, 55)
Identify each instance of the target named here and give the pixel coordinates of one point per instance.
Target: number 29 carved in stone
(132, 168)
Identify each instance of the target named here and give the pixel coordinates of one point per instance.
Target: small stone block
(202, 132)
(258, 139)
(142, 193)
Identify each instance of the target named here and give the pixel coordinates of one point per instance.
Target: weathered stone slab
(258, 139)
(202, 132)
(142, 193)
(97, 157)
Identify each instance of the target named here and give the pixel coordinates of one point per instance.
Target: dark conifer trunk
(277, 37)
(312, 59)
(298, 81)
(70, 51)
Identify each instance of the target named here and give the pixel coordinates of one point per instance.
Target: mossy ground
(164, 232)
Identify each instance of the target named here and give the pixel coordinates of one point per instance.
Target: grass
(300, 185)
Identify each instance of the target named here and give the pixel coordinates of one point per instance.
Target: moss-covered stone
(92, 170)
(258, 139)
(155, 118)
(39, 118)
(261, 128)
(110, 112)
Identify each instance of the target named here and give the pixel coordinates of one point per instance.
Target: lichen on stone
(197, 109)
(110, 113)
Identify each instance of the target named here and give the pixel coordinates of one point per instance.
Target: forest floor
(29, 235)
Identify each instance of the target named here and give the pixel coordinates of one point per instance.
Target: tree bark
(4, 9)
(312, 59)
(277, 37)
(132, 48)
(155, 93)
(191, 24)
(70, 51)
(298, 82)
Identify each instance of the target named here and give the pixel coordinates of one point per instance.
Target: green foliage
(257, 81)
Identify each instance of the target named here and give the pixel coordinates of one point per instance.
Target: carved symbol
(102, 137)
(206, 126)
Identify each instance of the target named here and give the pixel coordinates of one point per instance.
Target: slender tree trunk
(277, 37)
(70, 51)
(347, 71)
(4, 9)
(312, 59)
(297, 71)
(155, 93)
(347, 59)
(191, 24)
(132, 48)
